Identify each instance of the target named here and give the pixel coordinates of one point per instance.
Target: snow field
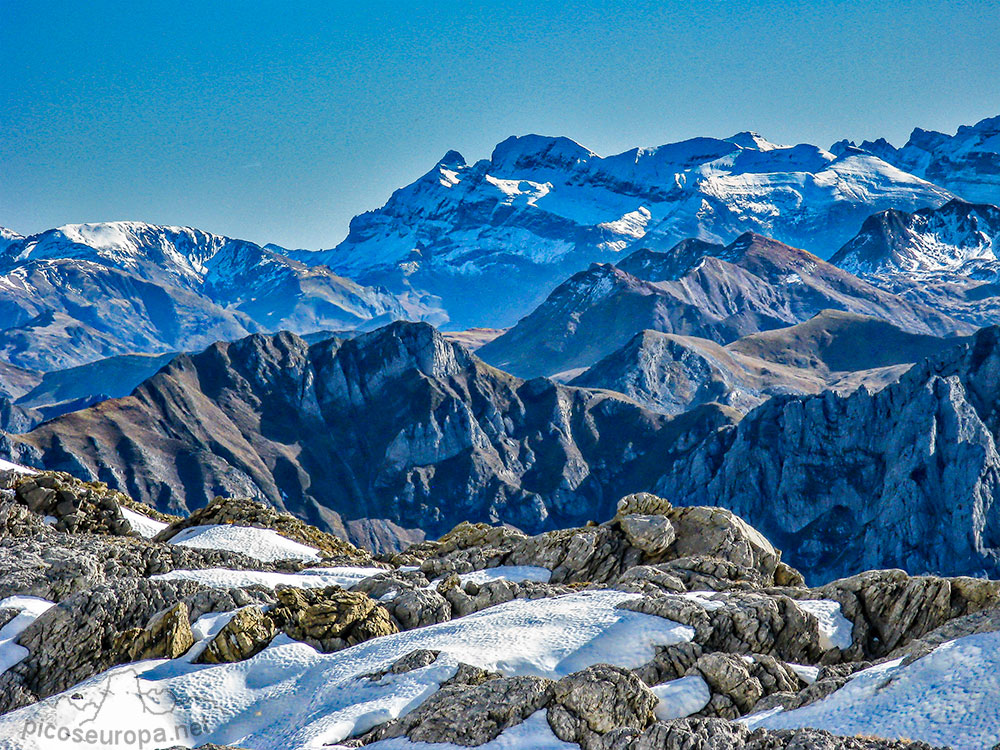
(263, 544)
(289, 696)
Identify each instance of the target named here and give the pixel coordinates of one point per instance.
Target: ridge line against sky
(278, 126)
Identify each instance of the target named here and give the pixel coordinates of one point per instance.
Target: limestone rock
(719, 533)
(729, 675)
(597, 700)
(330, 619)
(167, 635)
(644, 503)
(83, 507)
(470, 715)
(651, 534)
(248, 633)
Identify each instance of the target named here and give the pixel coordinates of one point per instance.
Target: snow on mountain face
(928, 240)
(86, 291)
(545, 207)
(150, 251)
(967, 163)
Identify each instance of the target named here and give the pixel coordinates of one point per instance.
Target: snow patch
(291, 697)
(534, 732)
(8, 466)
(144, 526)
(30, 608)
(312, 578)
(949, 697)
(835, 630)
(681, 697)
(264, 544)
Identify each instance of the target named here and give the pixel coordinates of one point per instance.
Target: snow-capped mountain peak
(967, 163)
(148, 249)
(538, 152)
(952, 239)
(542, 208)
(750, 140)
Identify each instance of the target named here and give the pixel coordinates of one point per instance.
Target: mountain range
(542, 208)
(634, 314)
(83, 292)
(967, 163)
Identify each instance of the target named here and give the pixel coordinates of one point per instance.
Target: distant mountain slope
(750, 285)
(113, 377)
(398, 424)
(671, 374)
(944, 258)
(868, 479)
(83, 292)
(967, 163)
(543, 208)
(956, 237)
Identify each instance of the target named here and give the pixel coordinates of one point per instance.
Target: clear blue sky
(278, 121)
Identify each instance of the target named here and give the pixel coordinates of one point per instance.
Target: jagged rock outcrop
(74, 505)
(597, 700)
(81, 636)
(397, 424)
(167, 635)
(704, 539)
(864, 481)
(330, 619)
(248, 633)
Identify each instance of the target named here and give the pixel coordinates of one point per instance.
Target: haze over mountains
(72, 295)
(675, 289)
(542, 208)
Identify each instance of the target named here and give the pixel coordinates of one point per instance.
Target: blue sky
(279, 121)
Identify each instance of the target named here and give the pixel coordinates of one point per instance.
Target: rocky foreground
(665, 627)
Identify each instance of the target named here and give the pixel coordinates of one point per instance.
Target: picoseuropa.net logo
(120, 710)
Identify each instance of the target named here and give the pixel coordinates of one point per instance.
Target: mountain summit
(542, 208)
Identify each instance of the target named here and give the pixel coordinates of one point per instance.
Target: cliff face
(907, 477)
(399, 425)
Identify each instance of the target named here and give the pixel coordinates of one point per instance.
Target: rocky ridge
(399, 426)
(710, 291)
(540, 209)
(833, 350)
(867, 477)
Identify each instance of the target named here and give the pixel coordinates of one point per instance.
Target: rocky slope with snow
(664, 628)
(711, 291)
(967, 163)
(82, 292)
(833, 350)
(393, 430)
(543, 208)
(944, 258)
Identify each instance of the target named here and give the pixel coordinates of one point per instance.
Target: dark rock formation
(397, 424)
(864, 481)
